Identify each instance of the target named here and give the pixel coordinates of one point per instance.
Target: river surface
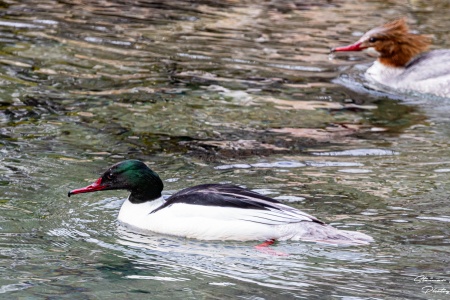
(241, 92)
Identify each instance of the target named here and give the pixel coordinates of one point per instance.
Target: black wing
(227, 195)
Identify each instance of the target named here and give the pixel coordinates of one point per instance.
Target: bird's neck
(143, 194)
(402, 49)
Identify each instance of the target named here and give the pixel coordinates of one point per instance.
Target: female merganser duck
(403, 63)
(211, 211)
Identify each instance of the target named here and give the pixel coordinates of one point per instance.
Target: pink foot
(264, 248)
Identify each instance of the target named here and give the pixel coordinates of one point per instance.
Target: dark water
(203, 91)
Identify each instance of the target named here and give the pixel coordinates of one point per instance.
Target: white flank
(429, 75)
(229, 223)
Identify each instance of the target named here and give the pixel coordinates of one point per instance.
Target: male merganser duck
(403, 63)
(211, 211)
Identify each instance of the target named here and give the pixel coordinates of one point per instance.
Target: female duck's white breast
(384, 75)
(428, 73)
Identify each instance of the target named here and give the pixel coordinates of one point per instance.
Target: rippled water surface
(243, 92)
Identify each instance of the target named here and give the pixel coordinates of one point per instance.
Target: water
(231, 92)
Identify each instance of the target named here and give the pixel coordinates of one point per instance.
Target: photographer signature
(430, 289)
(435, 290)
(426, 279)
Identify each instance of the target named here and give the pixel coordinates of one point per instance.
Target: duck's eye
(372, 40)
(109, 176)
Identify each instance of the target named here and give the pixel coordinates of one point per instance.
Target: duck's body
(417, 75)
(403, 63)
(214, 212)
(227, 212)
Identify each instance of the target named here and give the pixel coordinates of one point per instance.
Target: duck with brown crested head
(404, 63)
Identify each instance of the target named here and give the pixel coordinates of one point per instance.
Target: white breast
(427, 74)
(379, 73)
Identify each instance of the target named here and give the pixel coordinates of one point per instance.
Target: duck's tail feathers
(327, 234)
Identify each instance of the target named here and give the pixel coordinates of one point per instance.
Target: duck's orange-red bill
(96, 186)
(353, 47)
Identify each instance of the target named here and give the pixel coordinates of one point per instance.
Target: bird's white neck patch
(372, 52)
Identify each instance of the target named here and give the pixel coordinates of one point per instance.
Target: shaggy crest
(396, 45)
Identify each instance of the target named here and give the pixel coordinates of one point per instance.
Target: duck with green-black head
(211, 211)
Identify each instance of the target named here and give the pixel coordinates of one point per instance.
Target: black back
(223, 195)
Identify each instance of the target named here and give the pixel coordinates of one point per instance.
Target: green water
(237, 92)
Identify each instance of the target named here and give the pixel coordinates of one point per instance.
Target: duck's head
(392, 42)
(130, 175)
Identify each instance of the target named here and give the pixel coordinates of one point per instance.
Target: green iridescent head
(130, 175)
